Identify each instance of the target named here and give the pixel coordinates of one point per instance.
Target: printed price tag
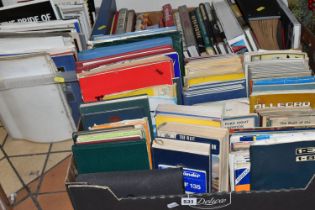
(189, 201)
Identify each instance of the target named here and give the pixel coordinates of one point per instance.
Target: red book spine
(168, 15)
(114, 24)
(94, 87)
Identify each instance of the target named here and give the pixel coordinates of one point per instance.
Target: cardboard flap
(311, 185)
(91, 197)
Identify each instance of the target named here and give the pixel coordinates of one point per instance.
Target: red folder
(94, 63)
(95, 86)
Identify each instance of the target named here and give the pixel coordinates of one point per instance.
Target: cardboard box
(88, 197)
(91, 197)
(4, 201)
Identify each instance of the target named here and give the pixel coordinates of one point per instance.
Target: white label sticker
(189, 201)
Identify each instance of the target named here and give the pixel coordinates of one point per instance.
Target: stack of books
(52, 85)
(271, 158)
(279, 79)
(281, 92)
(192, 138)
(205, 30)
(118, 131)
(221, 27)
(214, 79)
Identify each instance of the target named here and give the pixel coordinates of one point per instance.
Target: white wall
(143, 5)
(156, 5)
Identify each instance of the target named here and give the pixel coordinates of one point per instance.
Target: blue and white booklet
(193, 157)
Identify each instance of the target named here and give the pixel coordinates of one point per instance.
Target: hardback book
(206, 19)
(134, 123)
(238, 14)
(122, 21)
(166, 32)
(251, 39)
(104, 80)
(99, 52)
(194, 158)
(216, 137)
(111, 108)
(168, 18)
(188, 31)
(78, 11)
(111, 156)
(109, 135)
(111, 115)
(264, 19)
(282, 164)
(116, 132)
(233, 31)
(291, 26)
(217, 36)
(87, 65)
(104, 19)
(199, 39)
(179, 28)
(131, 19)
(114, 23)
(202, 19)
(34, 11)
(263, 9)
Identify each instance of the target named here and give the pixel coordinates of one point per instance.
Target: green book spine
(206, 39)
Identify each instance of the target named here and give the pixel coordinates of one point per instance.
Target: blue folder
(66, 63)
(123, 48)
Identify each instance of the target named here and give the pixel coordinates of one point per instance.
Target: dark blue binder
(282, 166)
